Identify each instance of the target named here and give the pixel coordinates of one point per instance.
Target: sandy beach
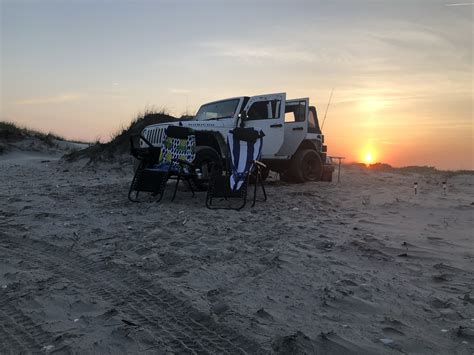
(361, 267)
(95, 94)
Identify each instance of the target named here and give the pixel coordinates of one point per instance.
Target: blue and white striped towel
(243, 154)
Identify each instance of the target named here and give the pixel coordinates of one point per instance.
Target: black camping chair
(244, 149)
(157, 165)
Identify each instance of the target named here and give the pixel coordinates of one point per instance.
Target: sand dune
(364, 266)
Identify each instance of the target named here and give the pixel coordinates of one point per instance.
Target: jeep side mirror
(242, 117)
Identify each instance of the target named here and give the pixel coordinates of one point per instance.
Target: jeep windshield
(217, 110)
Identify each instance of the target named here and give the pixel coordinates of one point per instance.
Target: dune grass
(413, 169)
(11, 134)
(119, 143)
(10, 130)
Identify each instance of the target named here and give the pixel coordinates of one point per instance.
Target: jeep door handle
(276, 125)
(298, 129)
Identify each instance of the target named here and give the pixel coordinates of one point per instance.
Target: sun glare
(368, 158)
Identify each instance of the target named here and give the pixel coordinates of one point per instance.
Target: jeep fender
(310, 144)
(211, 139)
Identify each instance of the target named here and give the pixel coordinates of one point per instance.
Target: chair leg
(133, 185)
(176, 187)
(188, 180)
(162, 188)
(244, 192)
(242, 197)
(130, 198)
(263, 189)
(255, 188)
(130, 192)
(209, 193)
(209, 201)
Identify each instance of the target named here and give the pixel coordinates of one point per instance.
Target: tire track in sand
(174, 324)
(18, 332)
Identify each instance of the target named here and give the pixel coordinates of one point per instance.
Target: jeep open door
(267, 112)
(296, 125)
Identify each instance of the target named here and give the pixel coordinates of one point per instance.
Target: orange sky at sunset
(401, 71)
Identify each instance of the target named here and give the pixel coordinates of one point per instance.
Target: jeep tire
(306, 165)
(209, 162)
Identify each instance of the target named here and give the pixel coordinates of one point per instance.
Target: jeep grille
(154, 136)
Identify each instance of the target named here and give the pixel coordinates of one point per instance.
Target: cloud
(50, 100)
(461, 4)
(255, 53)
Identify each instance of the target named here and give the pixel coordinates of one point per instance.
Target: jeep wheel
(307, 166)
(209, 162)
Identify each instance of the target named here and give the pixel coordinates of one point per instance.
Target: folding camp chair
(244, 149)
(174, 161)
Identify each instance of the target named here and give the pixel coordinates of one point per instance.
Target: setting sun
(368, 158)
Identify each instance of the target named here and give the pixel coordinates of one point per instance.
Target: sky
(402, 71)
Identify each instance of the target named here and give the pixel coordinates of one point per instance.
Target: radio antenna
(327, 108)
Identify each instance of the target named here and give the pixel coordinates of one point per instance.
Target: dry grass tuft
(119, 143)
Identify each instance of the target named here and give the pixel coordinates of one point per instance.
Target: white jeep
(293, 144)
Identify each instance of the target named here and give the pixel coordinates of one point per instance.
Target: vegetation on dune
(11, 132)
(425, 170)
(119, 144)
(414, 169)
(120, 141)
